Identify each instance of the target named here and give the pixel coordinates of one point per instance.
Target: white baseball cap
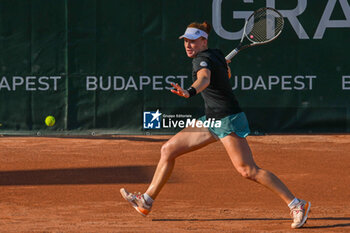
(194, 33)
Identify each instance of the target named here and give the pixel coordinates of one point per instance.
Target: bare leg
(185, 141)
(242, 158)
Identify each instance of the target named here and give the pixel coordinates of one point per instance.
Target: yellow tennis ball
(50, 121)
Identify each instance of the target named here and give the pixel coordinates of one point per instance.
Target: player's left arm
(228, 68)
(202, 82)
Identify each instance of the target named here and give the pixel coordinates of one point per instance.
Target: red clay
(72, 185)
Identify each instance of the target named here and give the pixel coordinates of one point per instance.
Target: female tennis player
(210, 79)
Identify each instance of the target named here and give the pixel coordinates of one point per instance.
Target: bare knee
(167, 152)
(248, 172)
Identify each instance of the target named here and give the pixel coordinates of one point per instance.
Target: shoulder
(218, 52)
(217, 58)
(210, 53)
(208, 59)
(201, 61)
(203, 56)
(214, 55)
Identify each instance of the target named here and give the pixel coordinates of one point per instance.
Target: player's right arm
(202, 82)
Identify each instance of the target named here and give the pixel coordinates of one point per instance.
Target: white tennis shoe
(300, 213)
(137, 201)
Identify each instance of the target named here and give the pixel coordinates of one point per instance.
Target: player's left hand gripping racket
(263, 26)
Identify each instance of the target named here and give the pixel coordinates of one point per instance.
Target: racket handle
(231, 54)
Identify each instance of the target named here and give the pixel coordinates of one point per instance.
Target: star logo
(151, 120)
(156, 115)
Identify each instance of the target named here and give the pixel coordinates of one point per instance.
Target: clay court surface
(72, 185)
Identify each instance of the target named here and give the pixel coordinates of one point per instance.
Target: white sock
(293, 203)
(148, 199)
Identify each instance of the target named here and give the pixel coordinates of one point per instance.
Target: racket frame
(240, 46)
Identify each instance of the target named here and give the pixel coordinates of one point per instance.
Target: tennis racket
(263, 26)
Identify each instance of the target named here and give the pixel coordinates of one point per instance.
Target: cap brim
(190, 36)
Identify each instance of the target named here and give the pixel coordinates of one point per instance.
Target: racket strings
(264, 26)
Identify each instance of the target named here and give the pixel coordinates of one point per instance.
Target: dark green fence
(98, 66)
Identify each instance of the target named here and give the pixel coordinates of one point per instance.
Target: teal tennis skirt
(235, 123)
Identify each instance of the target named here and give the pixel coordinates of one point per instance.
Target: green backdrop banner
(106, 66)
